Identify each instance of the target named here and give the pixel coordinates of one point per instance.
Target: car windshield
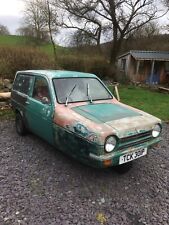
(80, 89)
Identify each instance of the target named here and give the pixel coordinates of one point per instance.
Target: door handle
(27, 103)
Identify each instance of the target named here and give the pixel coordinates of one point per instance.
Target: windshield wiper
(67, 98)
(88, 94)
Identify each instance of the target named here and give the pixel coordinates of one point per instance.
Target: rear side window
(22, 83)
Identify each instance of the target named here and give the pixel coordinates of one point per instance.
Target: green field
(149, 101)
(20, 41)
(13, 40)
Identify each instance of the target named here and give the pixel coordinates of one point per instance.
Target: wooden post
(137, 69)
(152, 72)
(117, 93)
(115, 85)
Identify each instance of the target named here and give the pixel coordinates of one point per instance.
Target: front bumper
(112, 159)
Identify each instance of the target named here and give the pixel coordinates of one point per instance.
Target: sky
(11, 12)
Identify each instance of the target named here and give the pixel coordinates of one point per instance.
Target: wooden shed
(151, 67)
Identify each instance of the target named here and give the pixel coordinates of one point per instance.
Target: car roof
(58, 73)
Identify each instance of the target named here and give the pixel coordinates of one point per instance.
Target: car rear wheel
(19, 124)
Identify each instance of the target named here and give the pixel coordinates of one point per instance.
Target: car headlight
(110, 144)
(156, 130)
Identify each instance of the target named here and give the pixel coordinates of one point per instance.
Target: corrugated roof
(149, 55)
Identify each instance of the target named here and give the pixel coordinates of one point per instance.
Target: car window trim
(31, 96)
(80, 78)
(19, 92)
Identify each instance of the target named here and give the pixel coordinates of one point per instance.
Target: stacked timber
(5, 93)
(164, 89)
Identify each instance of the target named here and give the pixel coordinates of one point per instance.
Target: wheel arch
(19, 111)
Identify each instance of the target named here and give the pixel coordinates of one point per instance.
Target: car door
(20, 91)
(40, 108)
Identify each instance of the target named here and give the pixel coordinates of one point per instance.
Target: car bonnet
(105, 112)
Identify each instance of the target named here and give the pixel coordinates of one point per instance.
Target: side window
(41, 90)
(22, 83)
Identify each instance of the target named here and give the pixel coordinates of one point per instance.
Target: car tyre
(19, 124)
(124, 168)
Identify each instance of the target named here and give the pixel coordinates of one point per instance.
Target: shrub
(13, 59)
(85, 63)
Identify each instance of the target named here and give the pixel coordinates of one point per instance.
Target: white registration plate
(132, 155)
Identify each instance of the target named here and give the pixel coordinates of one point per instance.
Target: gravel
(41, 186)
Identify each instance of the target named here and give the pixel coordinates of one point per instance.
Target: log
(163, 89)
(5, 95)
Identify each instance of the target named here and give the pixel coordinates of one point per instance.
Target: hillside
(25, 54)
(158, 42)
(20, 41)
(12, 40)
(21, 53)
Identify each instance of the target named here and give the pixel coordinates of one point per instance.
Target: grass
(12, 40)
(20, 41)
(149, 101)
(15, 40)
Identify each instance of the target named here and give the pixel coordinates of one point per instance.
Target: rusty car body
(76, 113)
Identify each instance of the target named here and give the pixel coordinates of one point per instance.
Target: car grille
(135, 140)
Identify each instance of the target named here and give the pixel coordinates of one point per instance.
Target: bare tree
(81, 38)
(85, 21)
(41, 16)
(119, 18)
(34, 18)
(50, 13)
(166, 5)
(147, 31)
(4, 30)
(28, 31)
